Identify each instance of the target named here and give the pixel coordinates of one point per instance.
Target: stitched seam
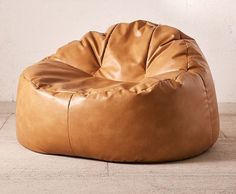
(109, 36)
(149, 47)
(94, 51)
(187, 57)
(187, 54)
(48, 90)
(207, 98)
(68, 124)
(187, 50)
(97, 92)
(104, 50)
(177, 76)
(31, 81)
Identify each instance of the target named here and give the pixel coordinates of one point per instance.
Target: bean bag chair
(140, 92)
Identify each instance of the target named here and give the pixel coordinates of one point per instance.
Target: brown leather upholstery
(140, 92)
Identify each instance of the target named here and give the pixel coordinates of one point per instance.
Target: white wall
(33, 29)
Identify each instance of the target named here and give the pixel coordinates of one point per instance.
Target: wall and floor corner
(31, 30)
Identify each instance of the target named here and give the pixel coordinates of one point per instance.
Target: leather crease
(68, 124)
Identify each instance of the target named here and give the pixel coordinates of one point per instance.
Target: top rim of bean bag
(134, 56)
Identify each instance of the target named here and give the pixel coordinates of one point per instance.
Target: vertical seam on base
(204, 84)
(207, 98)
(68, 123)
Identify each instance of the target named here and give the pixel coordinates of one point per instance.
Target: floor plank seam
(6, 120)
(224, 136)
(107, 166)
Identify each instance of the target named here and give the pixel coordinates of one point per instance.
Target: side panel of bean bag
(42, 119)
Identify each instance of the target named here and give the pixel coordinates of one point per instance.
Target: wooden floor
(23, 171)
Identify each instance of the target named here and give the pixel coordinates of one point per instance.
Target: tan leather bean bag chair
(140, 92)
